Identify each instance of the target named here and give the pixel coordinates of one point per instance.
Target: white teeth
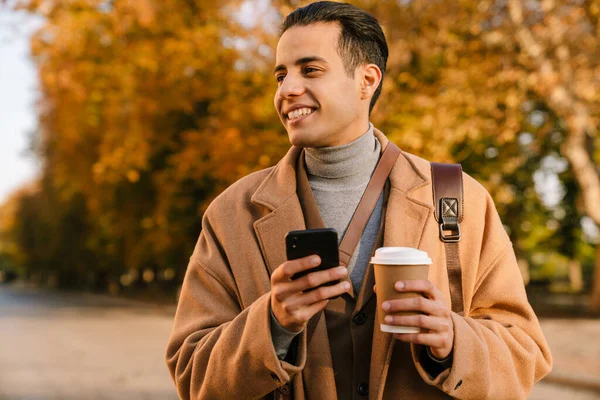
(299, 113)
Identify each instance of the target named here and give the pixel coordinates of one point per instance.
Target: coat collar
(280, 184)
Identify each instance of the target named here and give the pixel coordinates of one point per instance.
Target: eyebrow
(300, 61)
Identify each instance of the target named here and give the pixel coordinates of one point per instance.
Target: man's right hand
(293, 302)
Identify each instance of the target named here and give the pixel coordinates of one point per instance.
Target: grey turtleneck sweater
(338, 177)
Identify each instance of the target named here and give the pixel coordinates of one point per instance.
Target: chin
(309, 138)
(301, 140)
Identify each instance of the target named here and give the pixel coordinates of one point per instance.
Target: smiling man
(242, 327)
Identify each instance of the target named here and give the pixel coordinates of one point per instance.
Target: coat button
(363, 389)
(285, 389)
(359, 318)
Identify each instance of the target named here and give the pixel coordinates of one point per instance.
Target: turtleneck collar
(350, 164)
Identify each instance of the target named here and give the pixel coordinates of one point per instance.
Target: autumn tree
(464, 71)
(468, 78)
(558, 45)
(147, 110)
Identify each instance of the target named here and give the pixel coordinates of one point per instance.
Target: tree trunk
(575, 276)
(595, 298)
(524, 267)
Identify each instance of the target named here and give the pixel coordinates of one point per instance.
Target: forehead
(318, 39)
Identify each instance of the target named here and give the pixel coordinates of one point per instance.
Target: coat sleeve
(217, 350)
(499, 349)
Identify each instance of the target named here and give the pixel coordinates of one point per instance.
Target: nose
(291, 86)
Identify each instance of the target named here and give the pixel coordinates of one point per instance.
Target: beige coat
(221, 346)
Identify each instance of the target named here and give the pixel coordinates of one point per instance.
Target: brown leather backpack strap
(362, 214)
(449, 212)
(367, 202)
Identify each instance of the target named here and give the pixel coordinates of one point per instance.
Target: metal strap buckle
(454, 237)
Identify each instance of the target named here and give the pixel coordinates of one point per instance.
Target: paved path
(74, 346)
(575, 346)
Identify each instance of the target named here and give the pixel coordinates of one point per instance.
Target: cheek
(277, 100)
(345, 100)
(347, 92)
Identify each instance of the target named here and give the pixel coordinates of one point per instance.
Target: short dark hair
(361, 38)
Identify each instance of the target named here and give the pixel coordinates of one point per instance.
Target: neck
(351, 134)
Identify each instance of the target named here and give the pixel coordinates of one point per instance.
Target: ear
(370, 76)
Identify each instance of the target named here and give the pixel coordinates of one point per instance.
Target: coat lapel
(278, 194)
(405, 222)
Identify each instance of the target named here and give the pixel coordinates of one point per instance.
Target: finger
(294, 320)
(425, 322)
(327, 292)
(424, 286)
(306, 313)
(289, 268)
(416, 304)
(283, 289)
(433, 340)
(318, 278)
(306, 299)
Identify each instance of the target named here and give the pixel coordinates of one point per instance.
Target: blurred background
(120, 120)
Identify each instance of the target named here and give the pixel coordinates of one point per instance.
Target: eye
(308, 70)
(279, 78)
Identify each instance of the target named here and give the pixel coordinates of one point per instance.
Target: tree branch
(575, 113)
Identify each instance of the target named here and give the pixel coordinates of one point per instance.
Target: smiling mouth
(299, 114)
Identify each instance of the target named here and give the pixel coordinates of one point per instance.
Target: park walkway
(67, 346)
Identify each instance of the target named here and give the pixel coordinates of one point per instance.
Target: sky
(18, 85)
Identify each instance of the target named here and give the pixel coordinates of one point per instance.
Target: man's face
(318, 104)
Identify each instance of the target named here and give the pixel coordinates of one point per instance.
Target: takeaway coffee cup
(393, 264)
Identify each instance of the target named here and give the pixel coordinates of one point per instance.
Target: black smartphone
(322, 242)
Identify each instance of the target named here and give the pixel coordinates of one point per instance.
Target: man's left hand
(437, 328)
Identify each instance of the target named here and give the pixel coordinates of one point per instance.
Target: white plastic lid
(400, 255)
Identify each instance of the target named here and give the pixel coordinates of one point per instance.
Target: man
(241, 332)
